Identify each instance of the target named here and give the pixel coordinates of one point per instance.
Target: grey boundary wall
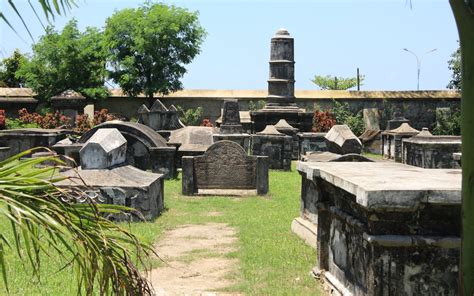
(417, 106)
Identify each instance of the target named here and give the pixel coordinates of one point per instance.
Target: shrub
(343, 115)
(190, 116)
(254, 106)
(323, 121)
(49, 120)
(102, 116)
(206, 122)
(448, 123)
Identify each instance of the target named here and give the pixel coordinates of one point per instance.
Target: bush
(343, 115)
(13, 123)
(190, 116)
(254, 106)
(322, 121)
(206, 122)
(448, 123)
(47, 121)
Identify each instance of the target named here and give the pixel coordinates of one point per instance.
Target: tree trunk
(465, 23)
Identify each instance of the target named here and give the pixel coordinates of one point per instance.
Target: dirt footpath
(196, 262)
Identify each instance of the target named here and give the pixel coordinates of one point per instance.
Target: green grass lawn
(273, 261)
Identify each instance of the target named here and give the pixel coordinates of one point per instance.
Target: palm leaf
(99, 250)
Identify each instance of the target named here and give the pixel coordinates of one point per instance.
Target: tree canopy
(148, 47)
(329, 82)
(69, 59)
(454, 64)
(8, 69)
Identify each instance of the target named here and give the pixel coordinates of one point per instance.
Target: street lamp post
(418, 63)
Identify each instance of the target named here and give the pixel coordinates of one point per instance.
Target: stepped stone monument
(281, 88)
(231, 128)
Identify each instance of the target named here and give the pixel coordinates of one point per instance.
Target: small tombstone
(106, 148)
(230, 117)
(341, 140)
(225, 167)
(231, 127)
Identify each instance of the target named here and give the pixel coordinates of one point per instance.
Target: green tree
(8, 69)
(329, 82)
(149, 46)
(454, 64)
(67, 60)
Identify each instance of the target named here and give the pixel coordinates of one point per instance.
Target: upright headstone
(371, 118)
(224, 168)
(341, 140)
(230, 117)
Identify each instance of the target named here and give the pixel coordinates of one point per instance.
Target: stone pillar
(281, 83)
(281, 88)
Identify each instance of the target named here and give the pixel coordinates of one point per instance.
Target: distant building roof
(17, 95)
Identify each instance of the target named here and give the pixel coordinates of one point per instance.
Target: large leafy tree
(8, 68)
(454, 64)
(329, 82)
(150, 46)
(69, 59)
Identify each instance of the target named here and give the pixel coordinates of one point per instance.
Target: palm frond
(46, 219)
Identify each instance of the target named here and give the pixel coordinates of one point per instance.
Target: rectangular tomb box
(432, 152)
(384, 228)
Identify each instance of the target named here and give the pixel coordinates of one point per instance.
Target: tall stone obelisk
(281, 88)
(281, 83)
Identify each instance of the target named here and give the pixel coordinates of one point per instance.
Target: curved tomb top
(141, 132)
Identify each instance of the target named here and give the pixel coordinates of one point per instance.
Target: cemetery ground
(234, 245)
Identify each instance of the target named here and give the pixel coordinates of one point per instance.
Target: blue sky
(331, 37)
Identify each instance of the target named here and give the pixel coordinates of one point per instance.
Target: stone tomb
(225, 169)
(341, 140)
(383, 228)
(283, 127)
(146, 149)
(309, 142)
(231, 128)
(392, 141)
(191, 141)
(70, 103)
(431, 152)
(160, 118)
(19, 140)
(275, 145)
(107, 177)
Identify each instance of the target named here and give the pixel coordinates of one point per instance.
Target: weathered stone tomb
(431, 152)
(309, 142)
(161, 119)
(275, 145)
(107, 177)
(225, 169)
(383, 228)
(392, 141)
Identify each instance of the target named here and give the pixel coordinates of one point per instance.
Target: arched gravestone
(224, 166)
(146, 149)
